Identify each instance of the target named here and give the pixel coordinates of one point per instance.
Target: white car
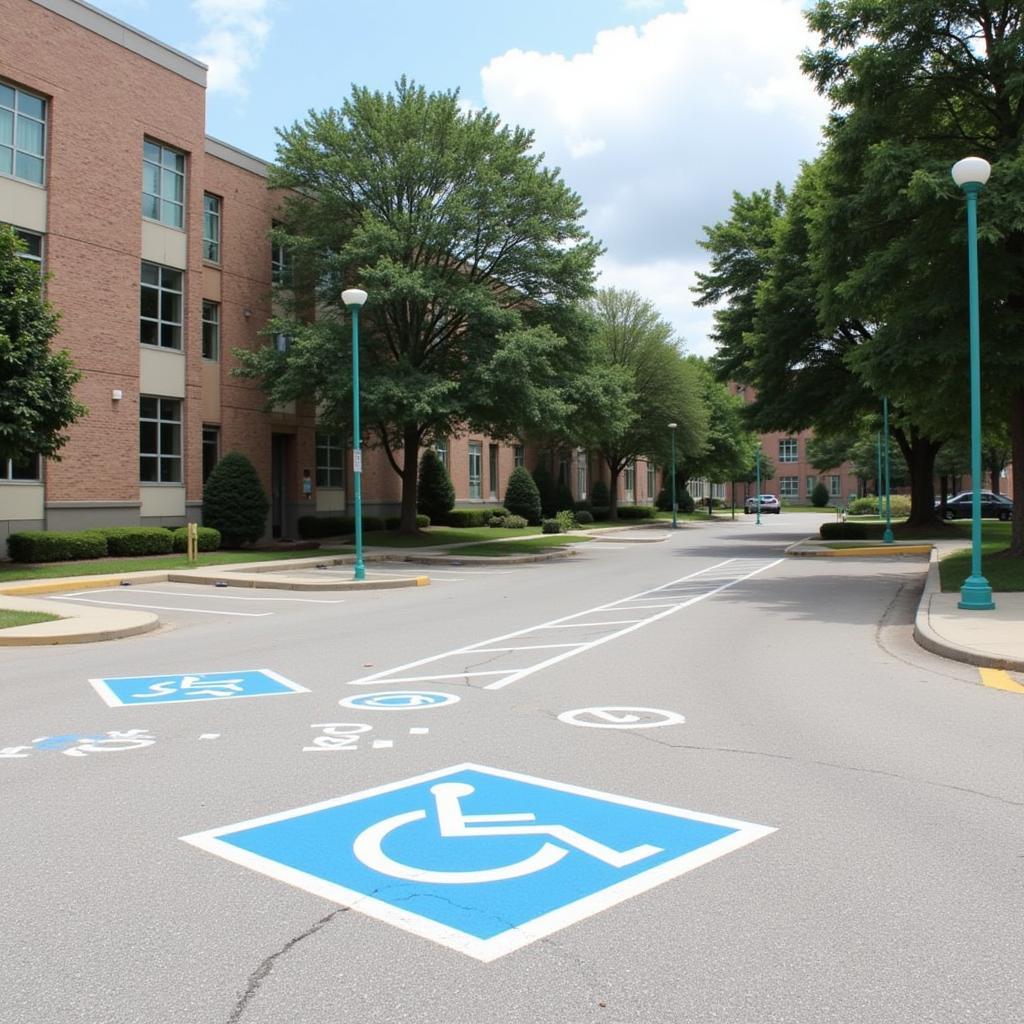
(769, 503)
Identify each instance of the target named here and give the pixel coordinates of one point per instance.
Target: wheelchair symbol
(453, 824)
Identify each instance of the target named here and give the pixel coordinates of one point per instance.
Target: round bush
(583, 517)
(551, 526)
(522, 498)
(125, 541)
(819, 496)
(208, 539)
(435, 495)
(234, 501)
(599, 495)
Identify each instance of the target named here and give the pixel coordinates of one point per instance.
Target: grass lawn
(12, 571)
(10, 618)
(1003, 573)
(528, 546)
(435, 536)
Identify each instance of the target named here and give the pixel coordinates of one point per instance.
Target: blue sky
(655, 110)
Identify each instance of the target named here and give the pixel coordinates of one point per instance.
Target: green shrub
(208, 539)
(435, 494)
(599, 496)
(819, 495)
(546, 488)
(843, 531)
(551, 526)
(899, 506)
(234, 501)
(566, 519)
(508, 522)
(125, 541)
(584, 517)
(636, 511)
(863, 507)
(314, 527)
(600, 513)
(371, 523)
(521, 495)
(56, 545)
(466, 517)
(686, 502)
(564, 498)
(395, 522)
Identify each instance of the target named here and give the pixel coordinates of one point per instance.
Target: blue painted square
(175, 689)
(471, 855)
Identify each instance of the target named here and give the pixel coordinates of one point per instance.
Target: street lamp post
(757, 498)
(971, 174)
(878, 473)
(672, 427)
(354, 299)
(887, 536)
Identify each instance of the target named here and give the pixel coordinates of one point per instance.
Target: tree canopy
(37, 385)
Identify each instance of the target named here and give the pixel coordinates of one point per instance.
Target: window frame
(835, 485)
(492, 471)
(161, 289)
(327, 444)
(519, 455)
(629, 480)
(211, 242)
(651, 492)
(211, 337)
(581, 478)
(16, 115)
(163, 167)
(160, 456)
(441, 451)
(476, 468)
(789, 487)
(789, 449)
(8, 466)
(208, 431)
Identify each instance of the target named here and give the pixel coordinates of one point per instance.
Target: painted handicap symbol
(191, 686)
(196, 684)
(454, 824)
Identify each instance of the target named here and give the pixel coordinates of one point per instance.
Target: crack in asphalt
(267, 964)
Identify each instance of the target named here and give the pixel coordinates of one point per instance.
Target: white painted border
(668, 717)
(515, 938)
(112, 699)
(349, 702)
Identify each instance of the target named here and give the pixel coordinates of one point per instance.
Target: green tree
(474, 256)
(234, 501)
(37, 385)
(521, 495)
(435, 493)
(545, 484)
(819, 495)
(637, 350)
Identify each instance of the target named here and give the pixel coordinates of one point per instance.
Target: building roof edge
(233, 155)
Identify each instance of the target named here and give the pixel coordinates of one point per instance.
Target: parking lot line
(233, 597)
(165, 607)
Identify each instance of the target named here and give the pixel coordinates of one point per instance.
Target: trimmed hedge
(125, 541)
(584, 517)
(600, 513)
(521, 495)
(551, 526)
(56, 545)
(464, 517)
(209, 538)
(636, 511)
(843, 531)
(509, 522)
(395, 522)
(234, 501)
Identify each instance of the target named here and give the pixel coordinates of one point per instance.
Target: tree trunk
(919, 453)
(613, 492)
(410, 477)
(1017, 461)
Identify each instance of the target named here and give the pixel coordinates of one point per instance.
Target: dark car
(993, 506)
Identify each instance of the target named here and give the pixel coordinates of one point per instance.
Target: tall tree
(474, 257)
(915, 85)
(640, 359)
(37, 385)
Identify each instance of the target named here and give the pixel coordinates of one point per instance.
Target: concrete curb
(105, 624)
(930, 640)
(869, 549)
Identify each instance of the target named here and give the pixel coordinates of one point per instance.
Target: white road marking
(646, 600)
(383, 744)
(210, 736)
(220, 596)
(418, 730)
(165, 607)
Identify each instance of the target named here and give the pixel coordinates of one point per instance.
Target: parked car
(769, 503)
(993, 506)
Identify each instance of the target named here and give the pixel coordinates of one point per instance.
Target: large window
(160, 311)
(163, 184)
(330, 460)
(159, 440)
(788, 449)
(476, 458)
(518, 455)
(211, 329)
(20, 469)
(33, 246)
(280, 262)
(22, 134)
(211, 228)
(835, 486)
(581, 477)
(812, 482)
(441, 450)
(492, 471)
(789, 486)
(629, 481)
(650, 480)
(211, 450)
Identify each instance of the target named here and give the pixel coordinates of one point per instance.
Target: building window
(581, 477)
(282, 342)
(519, 455)
(629, 481)
(788, 449)
(211, 228)
(159, 440)
(33, 246)
(441, 451)
(20, 469)
(163, 184)
(492, 470)
(650, 480)
(718, 491)
(330, 459)
(835, 483)
(211, 450)
(812, 482)
(160, 310)
(476, 458)
(280, 263)
(696, 488)
(22, 134)
(211, 329)
(789, 486)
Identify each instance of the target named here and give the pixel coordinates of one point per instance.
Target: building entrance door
(280, 474)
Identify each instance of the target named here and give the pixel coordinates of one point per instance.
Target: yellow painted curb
(58, 586)
(904, 549)
(422, 581)
(999, 679)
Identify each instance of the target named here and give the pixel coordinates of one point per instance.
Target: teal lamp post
(971, 174)
(757, 499)
(887, 536)
(878, 472)
(354, 299)
(675, 504)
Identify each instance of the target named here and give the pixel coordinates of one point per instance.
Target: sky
(655, 111)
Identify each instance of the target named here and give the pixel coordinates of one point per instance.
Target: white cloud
(656, 125)
(235, 34)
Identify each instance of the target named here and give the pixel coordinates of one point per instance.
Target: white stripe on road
(165, 607)
(219, 597)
